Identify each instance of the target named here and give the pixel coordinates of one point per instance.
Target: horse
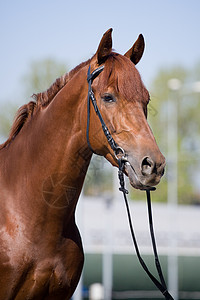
(44, 162)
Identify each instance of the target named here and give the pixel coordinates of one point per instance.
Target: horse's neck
(49, 158)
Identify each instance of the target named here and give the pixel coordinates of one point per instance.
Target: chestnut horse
(44, 162)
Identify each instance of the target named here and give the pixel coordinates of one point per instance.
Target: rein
(161, 285)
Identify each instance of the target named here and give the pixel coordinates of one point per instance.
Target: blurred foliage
(7, 112)
(99, 178)
(188, 144)
(40, 75)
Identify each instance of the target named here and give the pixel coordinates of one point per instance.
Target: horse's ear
(105, 47)
(136, 52)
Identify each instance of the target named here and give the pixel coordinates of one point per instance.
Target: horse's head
(123, 99)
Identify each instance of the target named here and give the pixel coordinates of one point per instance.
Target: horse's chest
(51, 275)
(39, 272)
(42, 281)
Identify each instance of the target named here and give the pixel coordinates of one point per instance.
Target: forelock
(122, 73)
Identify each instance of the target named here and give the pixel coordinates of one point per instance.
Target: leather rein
(121, 158)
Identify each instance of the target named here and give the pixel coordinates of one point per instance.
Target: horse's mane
(39, 100)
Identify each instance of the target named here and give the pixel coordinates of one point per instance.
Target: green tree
(40, 75)
(7, 112)
(188, 131)
(188, 104)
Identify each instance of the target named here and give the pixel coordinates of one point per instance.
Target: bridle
(120, 155)
(116, 149)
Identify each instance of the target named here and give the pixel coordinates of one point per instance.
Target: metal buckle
(120, 153)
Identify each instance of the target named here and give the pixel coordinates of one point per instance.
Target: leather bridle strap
(111, 141)
(161, 285)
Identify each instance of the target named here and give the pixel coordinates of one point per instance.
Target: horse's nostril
(147, 166)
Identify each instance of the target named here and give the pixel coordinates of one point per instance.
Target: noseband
(121, 159)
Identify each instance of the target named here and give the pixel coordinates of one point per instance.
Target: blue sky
(70, 31)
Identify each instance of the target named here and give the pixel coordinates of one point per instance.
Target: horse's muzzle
(147, 174)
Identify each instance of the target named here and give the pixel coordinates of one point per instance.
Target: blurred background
(42, 40)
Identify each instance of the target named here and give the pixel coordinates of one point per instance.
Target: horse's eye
(108, 98)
